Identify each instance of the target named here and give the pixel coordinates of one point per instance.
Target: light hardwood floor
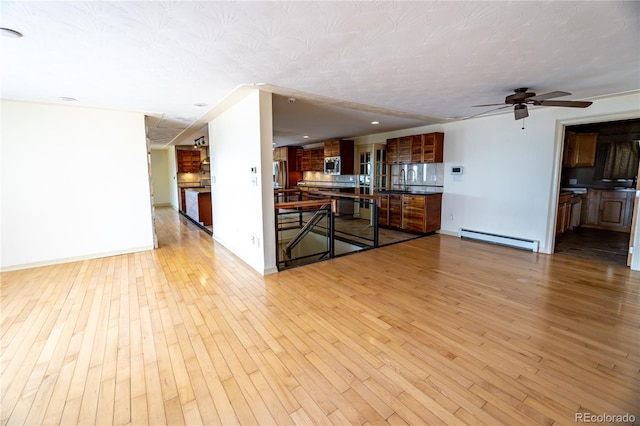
(431, 331)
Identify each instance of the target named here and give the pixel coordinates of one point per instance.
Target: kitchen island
(198, 205)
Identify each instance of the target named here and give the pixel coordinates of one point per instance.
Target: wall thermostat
(456, 170)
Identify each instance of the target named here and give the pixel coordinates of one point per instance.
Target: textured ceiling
(416, 61)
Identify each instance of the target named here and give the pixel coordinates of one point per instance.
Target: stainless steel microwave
(332, 165)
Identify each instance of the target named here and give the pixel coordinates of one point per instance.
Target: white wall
(240, 139)
(160, 177)
(173, 173)
(86, 193)
(511, 176)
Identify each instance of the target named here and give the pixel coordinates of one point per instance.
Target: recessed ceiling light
(201, 104)
(375, 122)
(67, 99)
(305, 137)
(8, 32)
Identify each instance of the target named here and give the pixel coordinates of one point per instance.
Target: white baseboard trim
(73, 259)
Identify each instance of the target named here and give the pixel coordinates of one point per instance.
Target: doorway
(597, 200)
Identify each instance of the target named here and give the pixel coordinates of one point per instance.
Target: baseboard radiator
(502, 240)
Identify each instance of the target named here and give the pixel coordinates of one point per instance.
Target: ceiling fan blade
(549, 95)
(572, 104)
(521, 111)
(487, 112)
(486, 105)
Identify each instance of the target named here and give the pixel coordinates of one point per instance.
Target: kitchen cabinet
(411, 212)
(615, 210)
(313, 160)
(188, 160)
(579, 149)
(609, 209)
(343, 149)
(383, 211)
(416, 149)
(399, 150)
(317, 159)
(563, 219)
(433, 148)
(395, 210)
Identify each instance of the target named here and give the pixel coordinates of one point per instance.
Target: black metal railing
(312, 226)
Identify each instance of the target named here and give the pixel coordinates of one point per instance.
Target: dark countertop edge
(405, 192)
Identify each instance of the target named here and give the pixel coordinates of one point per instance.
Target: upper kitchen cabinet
(343, 149)
(313, 160)
(188, 160)
(399, 150)
(433, 148)
(580, 149)
(426, 148)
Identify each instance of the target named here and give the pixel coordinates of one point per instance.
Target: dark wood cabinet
(433, 148)
(312, 160)
(188, 160)
(395, 210)
(383, 212)
(343, 149)
(412, 212)
(416, 149)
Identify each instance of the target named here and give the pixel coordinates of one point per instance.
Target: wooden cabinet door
(404, 149)
(433, 212)
(317, 159)
(613, 206)
(332, 149)
(433, 148)
(593, 207)
(395, 210)
(579, 149)
(383, 211)
(416, 149)
(413, 213)
(188, 160)
(585, 152)
(306, 160)
(392, 151)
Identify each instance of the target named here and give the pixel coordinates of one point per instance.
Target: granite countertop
(200, 189)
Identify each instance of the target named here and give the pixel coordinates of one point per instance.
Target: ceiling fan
(521, 98)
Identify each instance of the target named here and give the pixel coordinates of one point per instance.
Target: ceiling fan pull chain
(523, 124)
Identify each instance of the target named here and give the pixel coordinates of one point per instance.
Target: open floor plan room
(436, 330)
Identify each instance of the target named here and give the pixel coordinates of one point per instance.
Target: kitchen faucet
(409, 173)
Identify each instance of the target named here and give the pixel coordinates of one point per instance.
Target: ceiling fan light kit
(521, 98)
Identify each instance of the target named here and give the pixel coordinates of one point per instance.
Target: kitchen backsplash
(319, 178)
(426, 177)
(190, 179)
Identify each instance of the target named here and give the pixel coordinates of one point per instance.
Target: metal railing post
(375, 223)
(331, 229)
